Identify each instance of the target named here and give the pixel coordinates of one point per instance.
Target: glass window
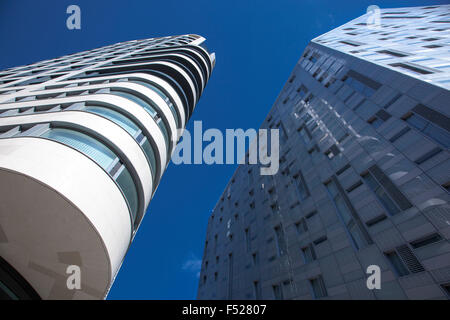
(305, 135)
(397, 263)
(150, 109)
(150, 154)
(126, 183)
(438, 134)
(138, 100)
(308, 253)
(381, 194)
(6, 293)
(162, 95)
(318, 287)
(116, 117)
(277, 292)
(301, 186)
(417, 122)
(132, 128)
(102, 155)
(356, 235)
(281, 244)
(92, 148)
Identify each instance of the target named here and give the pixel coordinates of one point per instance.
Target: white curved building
(84, 141)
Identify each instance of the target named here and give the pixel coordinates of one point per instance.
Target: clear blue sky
(257, 44)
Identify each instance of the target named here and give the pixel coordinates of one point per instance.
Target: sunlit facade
(364, 173)
(84, 142)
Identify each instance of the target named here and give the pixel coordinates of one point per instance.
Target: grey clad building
(84, 141)
(364, 174)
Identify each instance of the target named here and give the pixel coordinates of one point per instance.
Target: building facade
(84, 141)
(364, 176)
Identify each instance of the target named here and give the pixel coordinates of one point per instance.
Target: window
(318, 287)
(359, 104)
(428, 155)
(375, 122)
(392, 101)
(388, 186)
(150, 110)
(397, 263)
(256, 290)
(446, 186)
(275, 208)
(410, 67)
(301, 226)
(381, 194)
(281, 244)
(103, 156)
(250, 177)
(230, 275)
(132, 128)
(404, 261)
(378, 119)
(399, 134)
(255, 259)
(361, 83)
(277, 292)
(446, 288)
(354, 186)
(320, 240)
(393, 53)
(350, 43)
(302, 189)
(283, 134)
(332, 152)
(375, 220)
(247, 239)
(356, 232)
(304, 133)
(308, 253)
(432, 238)
(163, 95)
(433, 124)
(302, 91)
(87, 145)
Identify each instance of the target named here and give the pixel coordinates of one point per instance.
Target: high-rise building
(364, 177)
(84, 141)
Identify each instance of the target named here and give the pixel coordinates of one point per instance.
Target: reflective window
(103, 156)
(357, 236)
(92, 148)
(126, 183)
(397, 263)
(361, 83)
(381, 194)
(318, 287)
(308, 253)
(150, 109)
(116, 117)
(132, 128)
(162, 95)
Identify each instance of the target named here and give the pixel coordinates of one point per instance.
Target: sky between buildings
(257, 44)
